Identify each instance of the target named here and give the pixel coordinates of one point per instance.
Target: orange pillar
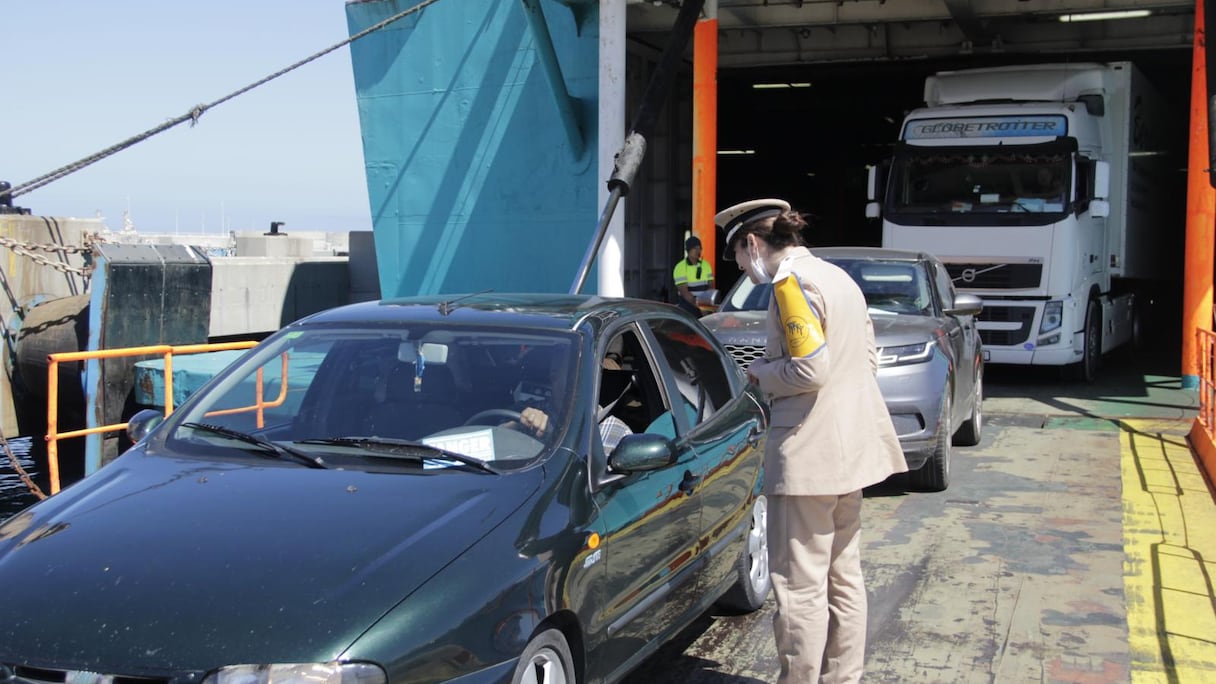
(1200, 213)
(705, 135)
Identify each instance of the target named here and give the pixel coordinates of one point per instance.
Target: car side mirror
(966, 305)
(641, 452)
(143, 423)
(873, 210)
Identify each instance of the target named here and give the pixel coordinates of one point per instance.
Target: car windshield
(890, 286)
(403, 396)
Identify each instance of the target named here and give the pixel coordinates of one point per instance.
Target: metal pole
(630, 157)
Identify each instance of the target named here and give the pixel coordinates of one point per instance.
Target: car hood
(747, 327)
(158, 564)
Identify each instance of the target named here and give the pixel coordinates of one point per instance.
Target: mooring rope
(198, 110)
(25, 477)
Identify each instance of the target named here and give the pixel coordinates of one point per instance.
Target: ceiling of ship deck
(788, 32)
(855, 67)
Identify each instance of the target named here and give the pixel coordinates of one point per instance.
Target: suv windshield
(360, 395)
(890, 286)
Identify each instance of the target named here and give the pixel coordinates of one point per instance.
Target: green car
(487, 488)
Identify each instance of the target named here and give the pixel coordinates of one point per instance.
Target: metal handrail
(166, 351)
(1206, 350)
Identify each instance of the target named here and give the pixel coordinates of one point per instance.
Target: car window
(696, 366)
(457, 388)
(746, 296)
(629, 388)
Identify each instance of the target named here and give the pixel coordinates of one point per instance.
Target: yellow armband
(803, 329)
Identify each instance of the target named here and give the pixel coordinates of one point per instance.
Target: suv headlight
(905, 354)
(1053, 316)
(299, 673)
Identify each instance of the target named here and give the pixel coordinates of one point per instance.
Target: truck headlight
(1053, 316)
(299, 673)
(905, 354)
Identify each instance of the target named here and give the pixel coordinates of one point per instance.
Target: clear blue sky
(80, 76)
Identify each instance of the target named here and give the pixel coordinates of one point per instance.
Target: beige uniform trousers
(814, 547)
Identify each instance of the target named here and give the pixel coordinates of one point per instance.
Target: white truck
(1038, 187)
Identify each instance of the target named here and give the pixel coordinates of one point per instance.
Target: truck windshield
(988, 180)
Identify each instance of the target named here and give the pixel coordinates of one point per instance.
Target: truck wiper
(266, 445)
(403, 447)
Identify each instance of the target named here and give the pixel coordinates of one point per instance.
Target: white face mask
(755, 266)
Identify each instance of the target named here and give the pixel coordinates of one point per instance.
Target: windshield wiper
(392, 447)
(266, 445)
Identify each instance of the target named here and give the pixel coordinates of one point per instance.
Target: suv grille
(744, 354)
(995, 276)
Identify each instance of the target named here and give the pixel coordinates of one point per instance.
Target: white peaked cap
(732, 218)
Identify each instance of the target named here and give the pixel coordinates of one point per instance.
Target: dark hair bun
(789, 223)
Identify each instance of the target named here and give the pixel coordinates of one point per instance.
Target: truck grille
(1023, 315)
(744, 354)
(995, 276)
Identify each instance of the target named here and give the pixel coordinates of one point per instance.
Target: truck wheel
(969, 432)
(934, 475)
(1086, 370)
(1139, 314)
(1092, 359)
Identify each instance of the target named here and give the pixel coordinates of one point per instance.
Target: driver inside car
(534, 419)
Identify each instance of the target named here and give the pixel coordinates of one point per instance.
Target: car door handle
(689, 482)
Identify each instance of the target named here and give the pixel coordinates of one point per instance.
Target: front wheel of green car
(546, 660)
(752, 588)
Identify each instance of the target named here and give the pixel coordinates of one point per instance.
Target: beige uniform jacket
(831, 433)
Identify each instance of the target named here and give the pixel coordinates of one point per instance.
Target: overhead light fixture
(778, 86)
(1103, 16)
(735, 153)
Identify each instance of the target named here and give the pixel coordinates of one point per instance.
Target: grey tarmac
(1013, 574)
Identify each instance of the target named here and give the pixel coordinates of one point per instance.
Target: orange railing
(1206, 350)
(1203, 430)
(167, 351)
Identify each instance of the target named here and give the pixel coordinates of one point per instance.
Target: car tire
(754, 583)
(969, 432)
(934, 475)
(545, 660)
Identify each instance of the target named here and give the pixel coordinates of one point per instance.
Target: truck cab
(1017, 179)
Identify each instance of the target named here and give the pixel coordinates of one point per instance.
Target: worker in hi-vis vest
(692, 275)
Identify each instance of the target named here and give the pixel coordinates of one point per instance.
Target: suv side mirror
(966, 305)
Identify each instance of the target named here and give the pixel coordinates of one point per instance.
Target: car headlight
(1053, 316)
(299, 673)
(905, 354)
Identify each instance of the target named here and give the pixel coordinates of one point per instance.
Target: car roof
(543, 310)
(869, 253)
